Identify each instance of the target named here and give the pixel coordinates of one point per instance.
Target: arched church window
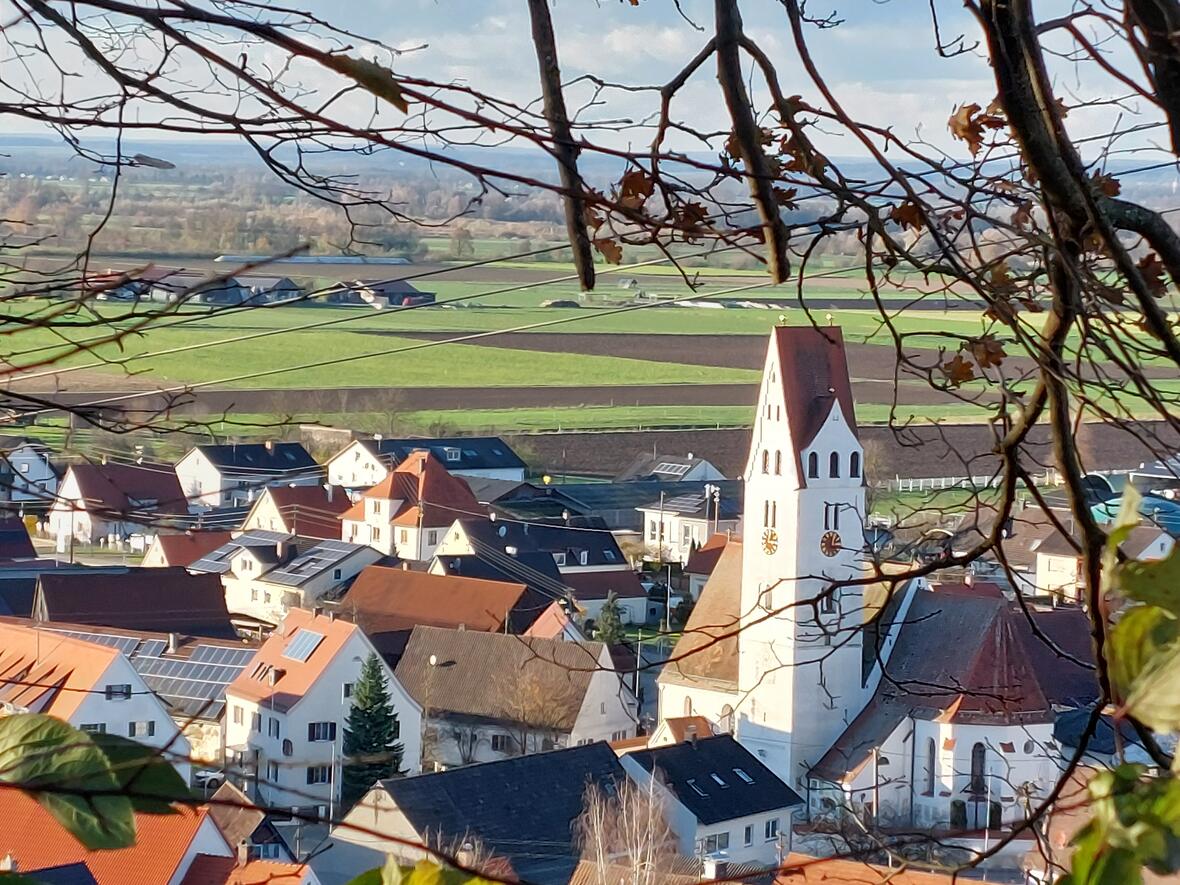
(828, 603)
(688, 706)
(727, 719)
(813, 465)
(834, 465)
(766, 460)
(931, 766)
(765, 514)
(978, 764)
(778, 462)
(854, 465)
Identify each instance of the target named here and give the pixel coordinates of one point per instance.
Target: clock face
(829, 544)
(769, 541)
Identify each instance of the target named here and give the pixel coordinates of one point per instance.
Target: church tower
(799, 659)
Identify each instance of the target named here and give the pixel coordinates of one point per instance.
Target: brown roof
(119, 489)
(802, 869)
(186, 548)
(36, 841)
(45, 672)
(292, 678)
(421, 482)
(684, 727)
(494, 676)
(708, 648)
(162, 599)
(551, 624)
(1136, 545)
(813, 369)
(235, 815)
(624, 583)
(703, 560)
(307, 510)
(388, 602)
(208, 869)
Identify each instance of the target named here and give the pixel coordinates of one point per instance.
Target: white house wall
(207, 840)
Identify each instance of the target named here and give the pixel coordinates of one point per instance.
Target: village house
(311, 511)
(380, 294)
(235, 474)
(589, 560)
(508, 807)
(488, 696)
(104, 503)
(387, 603)
(1059, 562)
(189, 675)
(28, 475)
(669, 468)
(266, 574)
(407, 513)
(182, 549)
(703, 560)
(267, 290)
(365, 462)
(675, 526)
(244, 824)
(15, 543)
(91, 686)
(285, 713)
(719, 798)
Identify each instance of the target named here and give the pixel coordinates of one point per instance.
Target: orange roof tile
(45, 672)
(421, 481)
(208, 869)
(36, 841)
(294, 677)
(799, 869)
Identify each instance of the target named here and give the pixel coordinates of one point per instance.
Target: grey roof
(474, 452)
(536, 570)
(280, 457)
(312, 563)
(599, 545)
(717, 779)
(696, 504)
(488, 490)
(594, 497)
(217, 561)
(522, 809)
(499, 677)
(191, 681)
(661, 467)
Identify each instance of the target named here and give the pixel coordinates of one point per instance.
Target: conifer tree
(609, 628)
(371, 730)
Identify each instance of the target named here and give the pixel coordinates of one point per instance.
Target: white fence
(975, 483)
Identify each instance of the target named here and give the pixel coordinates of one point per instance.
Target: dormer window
(854, 465)
(813, 466)
(453, 454)
(834, 465)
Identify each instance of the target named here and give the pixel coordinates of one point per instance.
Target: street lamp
(432, 661)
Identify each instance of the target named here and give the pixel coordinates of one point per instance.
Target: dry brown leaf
(785, 196)
(967, 124)
(1104, 183)
(634, 188)
(958, 370)
(908, 215)
(987, 351)
(1153, 273)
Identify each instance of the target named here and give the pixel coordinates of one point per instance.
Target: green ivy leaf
(425, 872)
(150, 781)
(1138, 635)
(1154, 698)
(69, 775)
(1153, 581)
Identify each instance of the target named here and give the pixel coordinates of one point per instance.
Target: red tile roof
(799, 869)
(45, 672)
(813, 371)
(703, 560)
(294, 677)
(209, 869)
(186, 548)
(308, 511)
(624, 583)
(421, 481)
(36, 841)
(122, 488)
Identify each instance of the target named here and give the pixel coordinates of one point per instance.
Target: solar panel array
(671, 469)
(685, 503)
(125, 644)
(302, 645)
(312, 562)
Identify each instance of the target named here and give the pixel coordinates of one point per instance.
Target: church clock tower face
(829, 543)
(769, 541)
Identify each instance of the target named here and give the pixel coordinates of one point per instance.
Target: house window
(254, 595)
(813, 466)
(239, 714)
(651, 529)
(266, 596)
(404, 537)
(778, 462)
(376, 508)
(772, 829)
(321, 731)
(453, 454)
(347, 690)
(288, 747)
(500, 743)
(118, 692)
(141, 729)
(827, 603)
(24, 468)
(256, 722)
(978, 783)
(272, 772)
(559, 558)
(618, 735)
(931, 767)
(272, 727)
(376, 533)
(602, 708)
(854, 465)
(727, 719)
(319, 774)
(834, 465)
(766, 460)
(583, 557)
(748, 836)
(715, 842)
(94, 727)
(337, 574)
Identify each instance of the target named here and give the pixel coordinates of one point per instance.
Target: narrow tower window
(766, 460)
(813, 465)
(834, 465)
(854, 465)
(778, 462)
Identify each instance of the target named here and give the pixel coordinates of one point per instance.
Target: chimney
(330, 488)
(7, 864)
(714, 867)
(270, 445)
(691, 733)
(243, 852)
(317, 611)
(173, 642)
(280, 549)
